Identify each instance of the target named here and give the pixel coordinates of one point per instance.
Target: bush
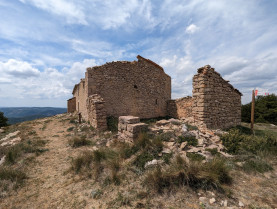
(190, 139)
(79, 141)
(84, 160)
(256, 165)
(112, 123)
(207, 175)
(265, 110)
(13, 175)
(3, 120)
(236, 142)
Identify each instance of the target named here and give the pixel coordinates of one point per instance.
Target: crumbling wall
(140, 88)
(180, 108)
(71, 105)
(217, 104)
(96, 112)
(81, 95)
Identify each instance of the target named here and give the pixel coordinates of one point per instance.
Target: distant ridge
(20, 114)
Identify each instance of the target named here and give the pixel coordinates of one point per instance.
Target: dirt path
(47, 185)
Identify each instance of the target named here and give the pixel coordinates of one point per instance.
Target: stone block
(137, 128)
(129, 119)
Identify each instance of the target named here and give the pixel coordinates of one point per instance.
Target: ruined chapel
(141, 88)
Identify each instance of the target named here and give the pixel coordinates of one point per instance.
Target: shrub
(236, 141)
(13, 175)
(70, 129)
(195, 156)
(79, 141)
(142, 158)
(84, 160)
(190, 139)
(256, 165)
(3, 120)
(211, 174)
(112, 123)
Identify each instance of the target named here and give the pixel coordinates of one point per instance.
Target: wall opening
(156, 102)
(135, 86)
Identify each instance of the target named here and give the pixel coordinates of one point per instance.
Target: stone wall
(96, 112)
(180, 108)
(217, 104)
(81, 95)
(140, 88)
(71, 105)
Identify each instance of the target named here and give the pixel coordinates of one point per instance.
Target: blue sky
(46, 46)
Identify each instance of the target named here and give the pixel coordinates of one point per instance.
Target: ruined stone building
(141, 88)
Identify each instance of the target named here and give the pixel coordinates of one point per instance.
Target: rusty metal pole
(252, 111)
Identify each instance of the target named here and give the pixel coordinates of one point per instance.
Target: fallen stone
(241, 204)
(175, 121)
(226, 154)
(183, 145)
(162, 122)
(2, 160)
(212, 200)
(169, 144)
(153, 163)
(11, 142)
(166, 151)
(194, 149)
(1, 130)
(128, 119)
(137, 128)
(10, 135)
(184, 128)
(203, 199)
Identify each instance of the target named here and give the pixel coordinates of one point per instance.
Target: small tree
(3, 120)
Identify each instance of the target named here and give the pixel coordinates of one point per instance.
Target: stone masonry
(217, 104)
(97, 115)
(129, 128)
(142, 89)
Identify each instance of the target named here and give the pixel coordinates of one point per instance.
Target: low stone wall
(71, 105)
(129, 128)
(96, 112)
(180, 108)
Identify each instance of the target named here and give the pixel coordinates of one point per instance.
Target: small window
(156, 101)
(135, 86)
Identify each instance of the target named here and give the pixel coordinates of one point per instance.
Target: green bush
(112, 123)
(236, 141)
(3, 120)
(265, 110)
(190, 139)
(207, 175)
(13, 175)
(256, 165)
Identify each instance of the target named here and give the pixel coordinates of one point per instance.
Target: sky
(46, 46)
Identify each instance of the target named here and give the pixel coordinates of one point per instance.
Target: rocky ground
(50, 150)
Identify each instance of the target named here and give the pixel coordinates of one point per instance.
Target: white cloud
(192, 29)
(18, 68)
(71, 11)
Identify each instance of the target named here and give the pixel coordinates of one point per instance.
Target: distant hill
(20, 114)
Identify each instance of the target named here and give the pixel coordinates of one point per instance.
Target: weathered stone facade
(217, 104)
(180, 108)
(142, 89)
(71, 105)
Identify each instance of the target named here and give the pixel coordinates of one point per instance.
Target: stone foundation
(129, 128)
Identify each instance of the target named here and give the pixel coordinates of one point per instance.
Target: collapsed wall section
(139, 88)
(217, 104)
(180, 108)
(96, 112)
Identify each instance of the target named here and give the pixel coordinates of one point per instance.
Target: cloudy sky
(46, 45)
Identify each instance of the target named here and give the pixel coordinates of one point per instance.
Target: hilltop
(56, 162)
